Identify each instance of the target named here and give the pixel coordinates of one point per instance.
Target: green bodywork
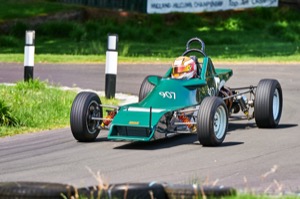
(148, 120)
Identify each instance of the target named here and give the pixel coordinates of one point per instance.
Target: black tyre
(125, 190)
(137, 190)
(195, 191)
(84, 107)
(212, 121)
(268, 103)
(145, 89)
(29, 190)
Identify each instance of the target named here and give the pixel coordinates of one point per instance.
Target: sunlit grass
(92, 59)
(37, 106)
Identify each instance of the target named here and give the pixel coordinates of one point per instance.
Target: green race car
(169, 106)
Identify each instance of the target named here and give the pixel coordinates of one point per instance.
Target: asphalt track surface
(263, 160)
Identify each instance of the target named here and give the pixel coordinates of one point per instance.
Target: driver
(184, 68)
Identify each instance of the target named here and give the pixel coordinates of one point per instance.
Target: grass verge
(35, 106)
(20, 9)
(89, 59)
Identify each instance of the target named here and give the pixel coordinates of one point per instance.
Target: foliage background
(252, 33)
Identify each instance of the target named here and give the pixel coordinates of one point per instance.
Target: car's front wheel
(85, 106)
(212, 121)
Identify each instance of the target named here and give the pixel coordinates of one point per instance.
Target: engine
(236, 101)
(226, 92)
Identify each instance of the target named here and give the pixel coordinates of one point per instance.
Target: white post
(29, 55)
(111, 66)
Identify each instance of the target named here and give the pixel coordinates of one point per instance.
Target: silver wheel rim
(92, 112)
(276, 104)
(220, 122)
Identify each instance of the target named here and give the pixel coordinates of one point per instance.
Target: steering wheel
(189, 50)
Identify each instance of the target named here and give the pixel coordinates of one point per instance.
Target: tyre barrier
(126, 191)
(35, 190)
(198, 191)
(39, 190)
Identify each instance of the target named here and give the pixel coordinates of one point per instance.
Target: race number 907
(168, 94)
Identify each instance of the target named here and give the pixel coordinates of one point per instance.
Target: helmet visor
(181, 69)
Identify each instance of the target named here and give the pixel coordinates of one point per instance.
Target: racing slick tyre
(212, 121)
(146, 87)
(268, 103)
(84, 107)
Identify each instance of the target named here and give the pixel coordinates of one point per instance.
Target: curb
(124, 98)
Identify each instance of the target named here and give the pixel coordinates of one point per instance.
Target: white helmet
(184, 68)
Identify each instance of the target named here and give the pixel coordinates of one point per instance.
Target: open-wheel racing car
(168, 106)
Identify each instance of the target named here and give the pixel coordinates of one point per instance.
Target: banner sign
(167, 6)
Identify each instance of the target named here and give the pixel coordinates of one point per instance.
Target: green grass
(55, 58)
(12, 9)
(255, 196)
(260, 34)
(35, 106)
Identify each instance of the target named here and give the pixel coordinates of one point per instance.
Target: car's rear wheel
(212, 121)
(84, 107)
(145, 89)
(268, 103)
